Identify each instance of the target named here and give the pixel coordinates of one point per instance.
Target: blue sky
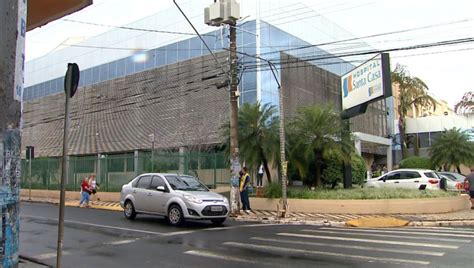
(448, 71)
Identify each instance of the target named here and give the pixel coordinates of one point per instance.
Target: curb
(33, 260)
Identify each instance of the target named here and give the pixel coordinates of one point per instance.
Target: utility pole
(12, 36)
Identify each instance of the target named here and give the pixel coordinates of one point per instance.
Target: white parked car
(406, 178)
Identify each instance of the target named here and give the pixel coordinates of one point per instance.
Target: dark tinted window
(393, 176)
(157, 181)
(410, 175)
(144, 182)
(431, 175)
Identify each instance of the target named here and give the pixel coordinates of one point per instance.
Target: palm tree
(315, 133)
(413, 93)
(466, 104)
(258, 135)
(452, 148)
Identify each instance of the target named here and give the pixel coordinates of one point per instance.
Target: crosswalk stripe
(208, 254)
(283, 250)
(431, 229)
(398, 232)
(388, 236)
(371, 241)
(394, 250)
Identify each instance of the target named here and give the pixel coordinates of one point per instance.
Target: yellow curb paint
(113, 207)
(377, 222)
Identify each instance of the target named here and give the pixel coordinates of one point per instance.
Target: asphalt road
(97, 238)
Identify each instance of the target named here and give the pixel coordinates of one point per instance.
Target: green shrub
(359, 170)
(333, 173)
(273, 190)
(416, 162)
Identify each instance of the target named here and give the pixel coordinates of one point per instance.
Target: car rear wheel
(129, 210)
(175, 215)
(219, 221)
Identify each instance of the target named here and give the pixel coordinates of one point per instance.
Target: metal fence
(113, 171)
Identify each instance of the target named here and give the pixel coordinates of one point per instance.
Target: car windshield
(185, 183)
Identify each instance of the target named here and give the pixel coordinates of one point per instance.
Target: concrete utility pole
(12, 36)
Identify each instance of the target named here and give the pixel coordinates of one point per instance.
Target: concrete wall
(304, 84)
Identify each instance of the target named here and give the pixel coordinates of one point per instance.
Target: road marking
(371, 241)
(121, 242)
(208, 254)
(398, 232)
(404, 251)
(48, 255)
(97, 225)
(433, 229)
(283, 250)
(348, 232)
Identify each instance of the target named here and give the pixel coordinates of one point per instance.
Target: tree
(258, 135)
(413, 93)
(315, 133)
(466, 104)
(452, 148)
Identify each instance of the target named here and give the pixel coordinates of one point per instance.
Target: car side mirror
(384, 179)
(161, 189)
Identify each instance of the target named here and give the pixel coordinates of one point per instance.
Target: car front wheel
(129, 210)
(175, 215)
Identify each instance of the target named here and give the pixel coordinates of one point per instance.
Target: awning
(41, 12)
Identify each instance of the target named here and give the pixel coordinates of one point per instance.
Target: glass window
(393, 176)
(160, 55)
(185, 183)
(406, 175)
(171, 53)
(116, 165)
(150, 60)
(144, 182)
(81, 78)
(423, 140)
(249, 81)
(411, 138)
(195, 47)
(433, 137)
(103, 72)
(121, 64)
(183, 50)
(112, 70)
(431, 175)
(210, 42)
(250, 97)
(129, 66)
(140, 64)
(130, 163)
(88, 76)
(157, 181)
(95, 75)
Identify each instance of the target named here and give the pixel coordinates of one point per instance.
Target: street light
(152, 136)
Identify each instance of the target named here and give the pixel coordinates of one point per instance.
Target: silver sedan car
(177, 197)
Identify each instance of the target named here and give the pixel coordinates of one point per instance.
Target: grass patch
(274, 191)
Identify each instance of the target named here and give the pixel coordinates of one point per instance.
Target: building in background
(162, 82)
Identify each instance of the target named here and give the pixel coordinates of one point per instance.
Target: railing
(112, 171)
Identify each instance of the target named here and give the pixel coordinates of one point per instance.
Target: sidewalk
(460, 218)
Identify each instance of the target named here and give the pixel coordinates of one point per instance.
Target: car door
(410, 179)
(392, 180)
(156, 200)
(141, 191)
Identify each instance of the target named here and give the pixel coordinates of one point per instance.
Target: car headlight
(225, 200)
(193, 199)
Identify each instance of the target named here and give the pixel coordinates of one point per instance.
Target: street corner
(377, 222)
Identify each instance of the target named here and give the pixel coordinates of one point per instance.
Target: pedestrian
(85, 192)
(470, 180)
(94, 186)
(244, 193)
(260, 176)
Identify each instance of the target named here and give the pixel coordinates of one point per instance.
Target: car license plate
(216, 208)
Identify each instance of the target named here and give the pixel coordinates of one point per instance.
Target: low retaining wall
(382, 206)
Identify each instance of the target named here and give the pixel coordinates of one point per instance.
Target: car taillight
(459, 186)
(433, 181)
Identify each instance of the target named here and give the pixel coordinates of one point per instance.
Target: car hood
(203, 195)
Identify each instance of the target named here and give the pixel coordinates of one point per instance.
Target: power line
(133, 28)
